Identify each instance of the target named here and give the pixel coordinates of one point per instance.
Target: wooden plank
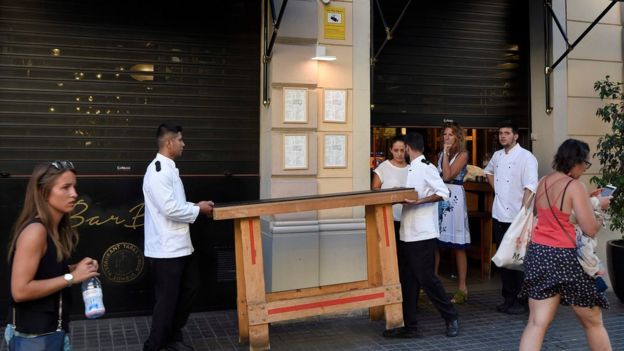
(311, 203)
(253, 266)
(372, 251)
(316, 291)
(259, 337)
(241, 294)
(388, 263)
(329, 303)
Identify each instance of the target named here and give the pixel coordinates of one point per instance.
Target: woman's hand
(605, 201)
(85, 269)
(595, 192)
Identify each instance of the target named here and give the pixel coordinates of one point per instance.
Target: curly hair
(460, 135)
(569, 154)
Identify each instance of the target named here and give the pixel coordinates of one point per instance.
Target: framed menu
(295, 151)
(335, 151)
(295, 105)
(335, 109)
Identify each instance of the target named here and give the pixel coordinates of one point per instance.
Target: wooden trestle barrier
(381, 292)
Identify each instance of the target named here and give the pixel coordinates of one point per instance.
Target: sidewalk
(482, 329)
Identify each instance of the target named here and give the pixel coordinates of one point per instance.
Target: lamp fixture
(321, 54)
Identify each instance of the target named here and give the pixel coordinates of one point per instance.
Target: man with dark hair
(168, 246)
(512, 172)
(418, 234)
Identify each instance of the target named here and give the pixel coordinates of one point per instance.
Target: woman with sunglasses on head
(553, 274)
(454, 231)
(38, 252)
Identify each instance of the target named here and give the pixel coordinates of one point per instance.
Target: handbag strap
(553, 211)
(59, 326)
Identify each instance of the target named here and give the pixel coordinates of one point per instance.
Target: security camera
(325, 2)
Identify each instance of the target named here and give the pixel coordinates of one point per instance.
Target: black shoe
(516, 308)
(179, 346)
(503, 307)
(401, 332)
(452, 328)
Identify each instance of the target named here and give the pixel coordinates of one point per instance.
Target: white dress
(454, 230)
(392, 176)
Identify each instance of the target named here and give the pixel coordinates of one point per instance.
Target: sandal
(460, 297)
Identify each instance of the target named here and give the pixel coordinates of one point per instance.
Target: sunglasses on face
(61, 165)
(587, 164)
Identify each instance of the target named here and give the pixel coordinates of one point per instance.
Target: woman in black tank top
(39, 249)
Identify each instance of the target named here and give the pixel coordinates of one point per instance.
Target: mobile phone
(608, 190)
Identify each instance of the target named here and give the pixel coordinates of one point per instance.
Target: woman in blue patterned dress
(454, 231)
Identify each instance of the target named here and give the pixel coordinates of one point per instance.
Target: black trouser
(176, 283)
(416, 271)
(511, 279)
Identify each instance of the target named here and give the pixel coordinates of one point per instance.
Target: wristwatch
(69, 279)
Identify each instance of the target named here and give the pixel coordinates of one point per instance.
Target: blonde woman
(41, 244)
(454, 231)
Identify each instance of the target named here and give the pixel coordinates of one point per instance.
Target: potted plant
(610, 152)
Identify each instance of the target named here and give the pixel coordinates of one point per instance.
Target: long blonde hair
(460, 137)
(65, 238)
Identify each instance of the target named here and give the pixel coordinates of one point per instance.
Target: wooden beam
(311, 203)
(276, 311)
(316, 291)
(241, 294)
(253, 265)
(372, 252)
(388, 263)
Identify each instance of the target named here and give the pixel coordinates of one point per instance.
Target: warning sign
(334, 23)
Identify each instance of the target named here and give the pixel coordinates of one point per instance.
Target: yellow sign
(334, 23)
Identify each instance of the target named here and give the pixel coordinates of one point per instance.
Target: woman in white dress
(454, 231)
(392, 173)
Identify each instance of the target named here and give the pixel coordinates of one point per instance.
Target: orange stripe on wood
(252, 246)
(333, 302)
(385, 217)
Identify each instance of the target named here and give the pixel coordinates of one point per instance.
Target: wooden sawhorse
(381, 292)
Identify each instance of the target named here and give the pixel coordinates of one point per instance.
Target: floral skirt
(453, 219)
(551, 270)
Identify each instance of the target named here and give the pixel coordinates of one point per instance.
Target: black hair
(395, 139)
(508, 124)
(164, 129)
(415, 141)
(569, 154)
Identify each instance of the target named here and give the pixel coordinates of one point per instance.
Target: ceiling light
(321, 54)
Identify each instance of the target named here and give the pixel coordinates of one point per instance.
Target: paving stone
(481, 329)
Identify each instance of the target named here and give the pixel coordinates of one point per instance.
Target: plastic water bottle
(93, 298)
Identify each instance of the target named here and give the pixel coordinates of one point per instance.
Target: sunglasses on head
(61, 165)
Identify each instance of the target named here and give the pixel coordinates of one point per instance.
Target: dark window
(90, 81)
(462, 60)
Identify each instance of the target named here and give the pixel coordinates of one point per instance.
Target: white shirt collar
(421, 157)
(512, 149)
(166, 159)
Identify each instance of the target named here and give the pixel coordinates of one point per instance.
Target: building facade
(90, 82)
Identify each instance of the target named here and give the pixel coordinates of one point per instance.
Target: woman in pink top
(553, 274)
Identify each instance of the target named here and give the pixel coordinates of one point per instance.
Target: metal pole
(571, 47)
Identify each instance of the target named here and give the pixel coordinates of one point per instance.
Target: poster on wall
(334, 23)
(295, 151)
(335, 102)
(295, 105)
(335, 151)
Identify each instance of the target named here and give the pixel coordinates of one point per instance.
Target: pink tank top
(548, 231)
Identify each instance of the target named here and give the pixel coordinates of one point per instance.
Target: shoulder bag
(510, 253)
(53, 341)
